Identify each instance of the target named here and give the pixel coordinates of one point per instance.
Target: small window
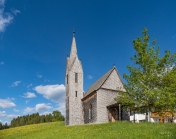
(90, 111)
(67, 78)
(76, 93)
(76, 77)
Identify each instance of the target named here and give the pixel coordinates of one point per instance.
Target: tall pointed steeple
(74, 87)
(73, 52)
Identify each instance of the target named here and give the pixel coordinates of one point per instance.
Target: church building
(97, 104)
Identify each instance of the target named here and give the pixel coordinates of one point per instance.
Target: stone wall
(104, 98)
(74, 115)
(92, 100)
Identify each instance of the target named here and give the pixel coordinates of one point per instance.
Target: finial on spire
(114, 64)
(74, 33)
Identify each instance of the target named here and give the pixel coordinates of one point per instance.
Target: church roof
(99, 82)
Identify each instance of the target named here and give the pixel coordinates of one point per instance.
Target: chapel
(97, 104)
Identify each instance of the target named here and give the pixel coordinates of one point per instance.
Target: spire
(73, 52)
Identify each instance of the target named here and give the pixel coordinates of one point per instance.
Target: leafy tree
(151, 81)
(35, 118)
(1, 126)
(57, 116)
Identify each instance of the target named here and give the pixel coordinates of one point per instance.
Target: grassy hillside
(117, 130)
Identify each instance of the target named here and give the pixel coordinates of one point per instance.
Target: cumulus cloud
(61, 108)
(2, 63)
(15, 12)
(5, 18)
(2, 2)
(10, 116)
(16, 83)
(28, 110)
(15, 110)
(42, 107)
(27, 101)
(29, 95)
(55, 93)
(90, 77)
(2, 113)
(6, 103)
(39, 76)
(29, 85)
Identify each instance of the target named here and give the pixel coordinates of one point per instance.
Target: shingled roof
(99, 82)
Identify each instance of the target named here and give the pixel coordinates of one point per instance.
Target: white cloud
(55, 93)
(10, 116)
(2, 63)
(5, 18)
(27, 101)
(28, 110)
(16, 83)
(42, 107)
(2, 2)
(39, 76)
(6, 103)
(2, 113)
(61, 108)
(29, 85)
(15, 12)
(90, 77)
(15, 110)
(29, 95)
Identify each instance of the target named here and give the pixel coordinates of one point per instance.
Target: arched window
(90, 111)
(67, 78)
(76, 77)
(76, 93)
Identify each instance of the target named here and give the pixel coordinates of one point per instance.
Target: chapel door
(114, 115)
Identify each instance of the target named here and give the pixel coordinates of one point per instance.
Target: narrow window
(67, 78)
(90, 111)
(76, 77)
(76, 93)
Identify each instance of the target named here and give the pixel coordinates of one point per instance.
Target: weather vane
(73, 33)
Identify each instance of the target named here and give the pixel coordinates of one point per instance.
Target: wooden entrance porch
(114, 112)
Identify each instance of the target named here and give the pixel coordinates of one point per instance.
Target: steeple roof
(73, 52)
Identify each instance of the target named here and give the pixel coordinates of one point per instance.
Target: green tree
(1, 126)
(147, 85)
(57, 116)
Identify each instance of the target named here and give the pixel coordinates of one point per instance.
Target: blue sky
(36, 35)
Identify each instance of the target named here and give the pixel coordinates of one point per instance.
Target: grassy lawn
(117, 130)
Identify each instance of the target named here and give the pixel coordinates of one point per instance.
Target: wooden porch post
(120, 112)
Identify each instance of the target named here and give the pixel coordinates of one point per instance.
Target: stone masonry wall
(92, 100)
(104, 98)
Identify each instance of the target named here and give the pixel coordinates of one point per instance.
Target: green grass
(117, 130)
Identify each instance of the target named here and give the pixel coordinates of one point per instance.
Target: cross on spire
(74, 33)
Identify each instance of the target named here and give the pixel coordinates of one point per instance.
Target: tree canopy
(35, 118)
(151, 82)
